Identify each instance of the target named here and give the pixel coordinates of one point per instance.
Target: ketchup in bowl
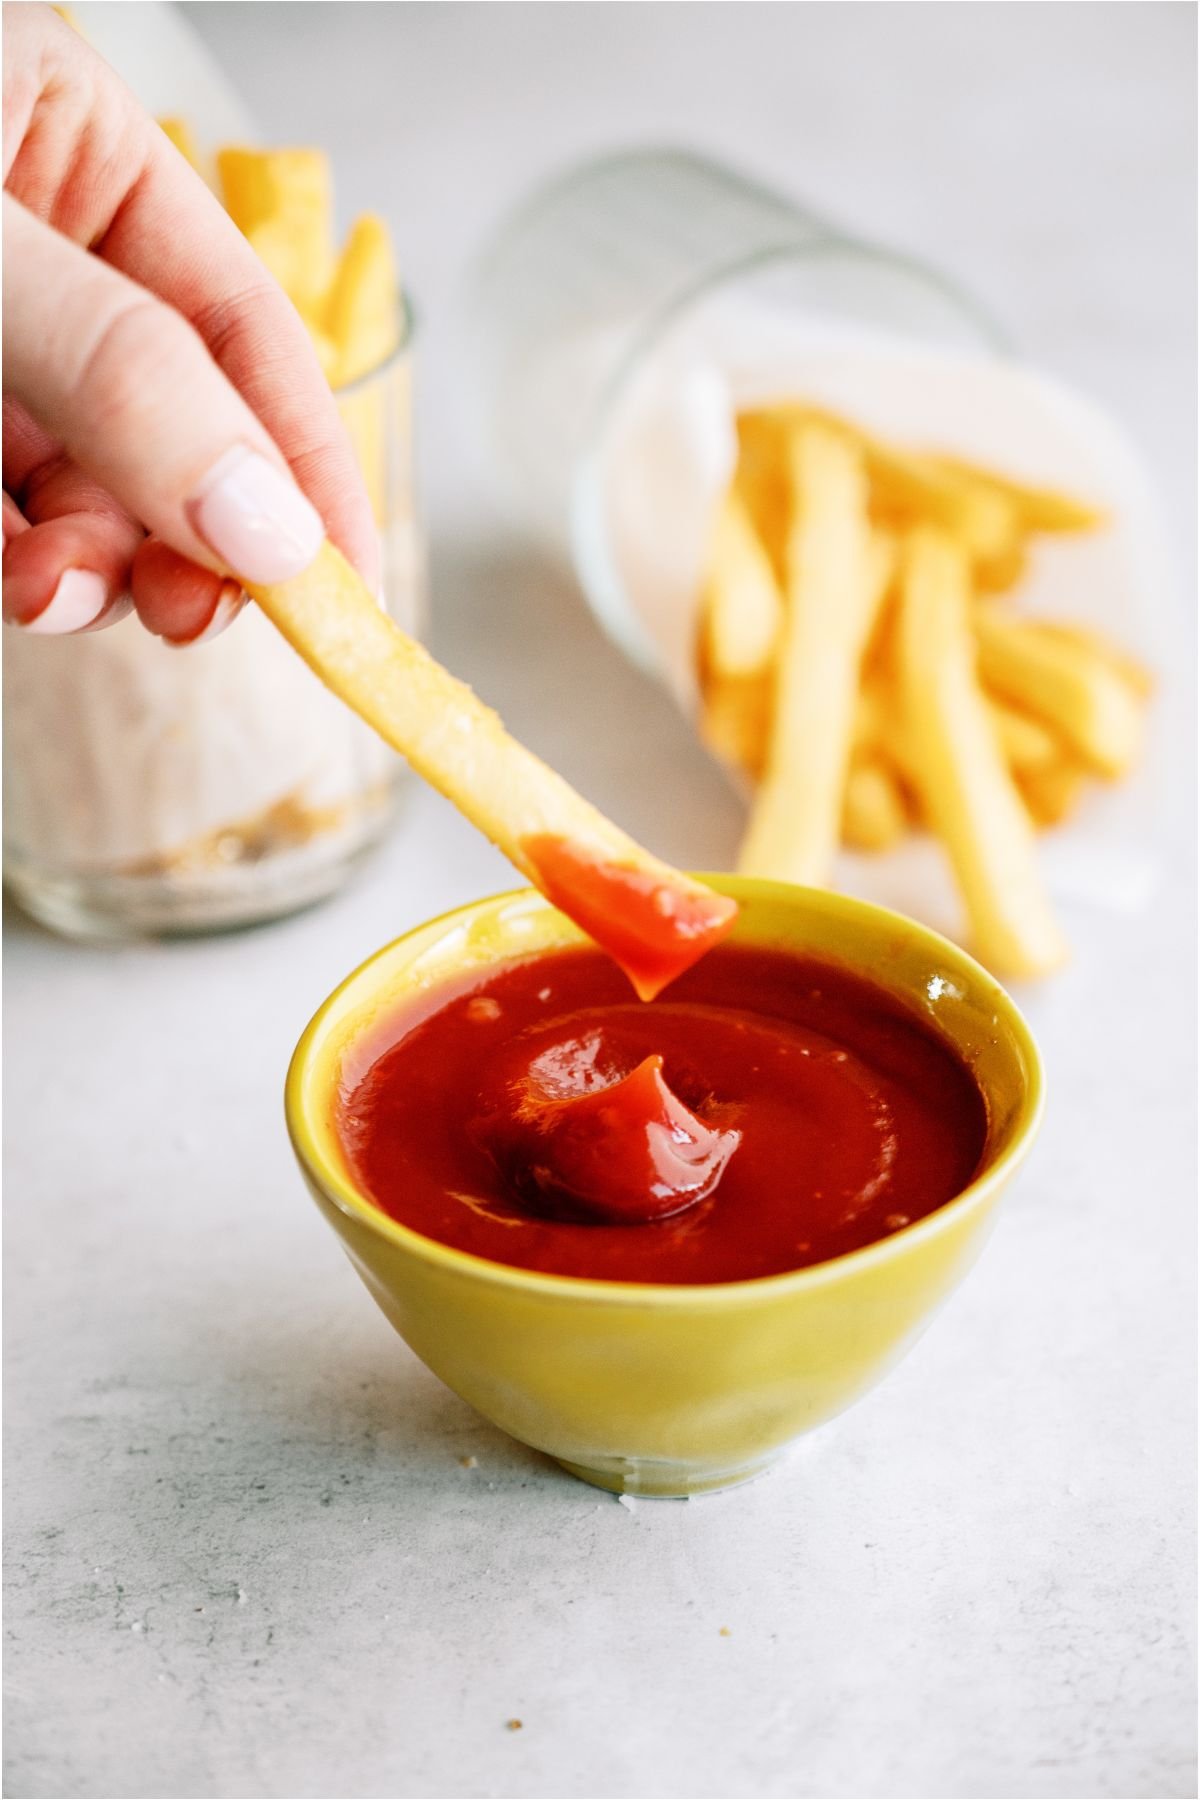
(768, 1112)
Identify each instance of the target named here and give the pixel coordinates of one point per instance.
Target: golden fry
(1053, 791)
(874, 811)
(1080, 695)
(735, 720)
(915, 489)
(362, 413)
(833, 593)
(362, 313)
(586, 865)
(871, 709)
(764, 484)
(277, 195)
(906, 487)
(1093, 643)
(742, 604)
(1001, 573)
(1025, 741)
(964, 787)
(1037, 509)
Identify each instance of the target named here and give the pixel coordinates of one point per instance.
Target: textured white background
(244, 1559)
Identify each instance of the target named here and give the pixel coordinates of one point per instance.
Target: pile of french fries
(351, 302)
(283, 201)
(858, 662)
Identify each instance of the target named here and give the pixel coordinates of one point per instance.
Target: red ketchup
(769, 1112)
(653, 929)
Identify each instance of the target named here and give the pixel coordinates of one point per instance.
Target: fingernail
(77, 602)
(120, 609)
(230, 602)
(256, 519)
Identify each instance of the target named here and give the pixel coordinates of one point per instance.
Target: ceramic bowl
(659, 1390)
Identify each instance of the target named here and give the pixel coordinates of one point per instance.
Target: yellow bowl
(654, 1389)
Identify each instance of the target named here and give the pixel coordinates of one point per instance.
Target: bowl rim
(341, 1193)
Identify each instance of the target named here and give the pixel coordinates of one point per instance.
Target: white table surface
(244, 1557)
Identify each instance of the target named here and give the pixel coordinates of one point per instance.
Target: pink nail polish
(256, 519)
(77, 602)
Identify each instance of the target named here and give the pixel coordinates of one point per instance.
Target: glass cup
(153, 790)
(607, 274)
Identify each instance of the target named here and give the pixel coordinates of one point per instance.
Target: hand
(167, 430)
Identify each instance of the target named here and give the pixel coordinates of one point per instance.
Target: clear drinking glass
(601, 273)
(154, 790)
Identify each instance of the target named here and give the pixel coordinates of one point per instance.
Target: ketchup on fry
(653, 928)
(770, 1112)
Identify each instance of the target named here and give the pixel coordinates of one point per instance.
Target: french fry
(916, 489)
(1001, 573)
(735, 720)
(907, 487)
(874, 811)
(290, 191)
(362, 310)
(279, 250)
(735, 714)
(1135, 673)
(653, 920)
(964, 787)
(1052, 791)
(1080, 695)
(870, 719)
(269, 184)
(742, 605)
(834, 589)
(763, 483)
(1037, 509)
(362, 413)
(1025, 741)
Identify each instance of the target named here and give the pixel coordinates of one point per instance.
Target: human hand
(167, 429)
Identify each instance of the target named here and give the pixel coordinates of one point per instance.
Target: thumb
(126, 385)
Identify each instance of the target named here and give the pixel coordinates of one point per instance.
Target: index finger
(173, 237)
(136, 202)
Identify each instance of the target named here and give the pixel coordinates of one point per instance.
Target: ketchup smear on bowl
(768, 1113)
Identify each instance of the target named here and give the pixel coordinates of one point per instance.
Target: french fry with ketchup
(653, 921)
(966, 791)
